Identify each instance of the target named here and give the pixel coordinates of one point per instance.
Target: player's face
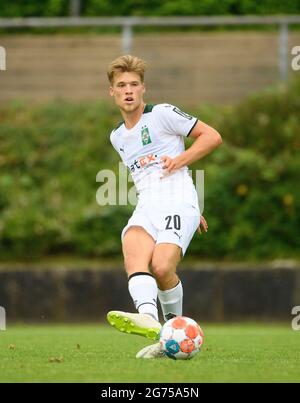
(128, 91)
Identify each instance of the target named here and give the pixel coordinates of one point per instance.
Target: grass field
(92, 353)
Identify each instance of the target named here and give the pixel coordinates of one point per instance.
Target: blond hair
(124, 64)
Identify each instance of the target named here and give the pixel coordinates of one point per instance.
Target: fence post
(2, 318)
(75, 8)
(2, 58)
(283, 50)
(127, 36)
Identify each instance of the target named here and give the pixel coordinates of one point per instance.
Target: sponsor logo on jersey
(143, 162)
(146, 139)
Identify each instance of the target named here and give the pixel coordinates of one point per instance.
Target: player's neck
(132, 118)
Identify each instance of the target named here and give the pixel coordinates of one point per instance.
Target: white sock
(143, 290)
(171, 301)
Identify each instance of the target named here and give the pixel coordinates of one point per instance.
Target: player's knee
(161, 270)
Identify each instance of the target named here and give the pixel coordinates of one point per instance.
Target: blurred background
(232, 63)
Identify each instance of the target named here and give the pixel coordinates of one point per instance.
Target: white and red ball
(181, 338)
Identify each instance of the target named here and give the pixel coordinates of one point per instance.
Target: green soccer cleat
(141, 324)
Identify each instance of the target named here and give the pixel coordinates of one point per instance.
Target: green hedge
(50, 156)
(49, 8)
(252, 197)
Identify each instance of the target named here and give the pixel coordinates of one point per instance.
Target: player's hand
(169, 164)
(202, 224)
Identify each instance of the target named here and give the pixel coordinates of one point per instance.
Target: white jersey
(159, 132)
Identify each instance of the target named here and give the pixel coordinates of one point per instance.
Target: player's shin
(171, 301)
(143, 290)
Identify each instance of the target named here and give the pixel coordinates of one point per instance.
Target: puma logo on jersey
(143, 162)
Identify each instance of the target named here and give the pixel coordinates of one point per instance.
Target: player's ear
(144, 88)
(111, 91)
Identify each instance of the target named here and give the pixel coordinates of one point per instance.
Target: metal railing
(127, 25)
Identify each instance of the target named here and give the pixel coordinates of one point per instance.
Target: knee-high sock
(143, 290)
(171, 301)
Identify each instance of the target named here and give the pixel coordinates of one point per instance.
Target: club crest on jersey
(146, 139)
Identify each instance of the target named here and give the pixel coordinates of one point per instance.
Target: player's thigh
(138, 247)
(165, 259)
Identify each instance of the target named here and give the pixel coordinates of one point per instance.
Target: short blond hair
(126, 63)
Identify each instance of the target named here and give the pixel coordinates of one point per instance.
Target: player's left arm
(206, 139)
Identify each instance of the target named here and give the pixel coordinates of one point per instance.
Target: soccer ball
(181, 338)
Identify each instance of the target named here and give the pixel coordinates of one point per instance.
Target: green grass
(91, 353)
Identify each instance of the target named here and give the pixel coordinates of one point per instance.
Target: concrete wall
(183, 68)
(214, 294)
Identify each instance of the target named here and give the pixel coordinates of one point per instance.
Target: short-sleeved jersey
(160, 131)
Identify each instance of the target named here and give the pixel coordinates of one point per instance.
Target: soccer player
(150, 142)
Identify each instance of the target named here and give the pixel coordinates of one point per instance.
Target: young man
(150, 142)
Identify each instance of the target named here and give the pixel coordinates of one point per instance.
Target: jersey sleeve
(113, 141)
(174, 121)
(116, 146)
